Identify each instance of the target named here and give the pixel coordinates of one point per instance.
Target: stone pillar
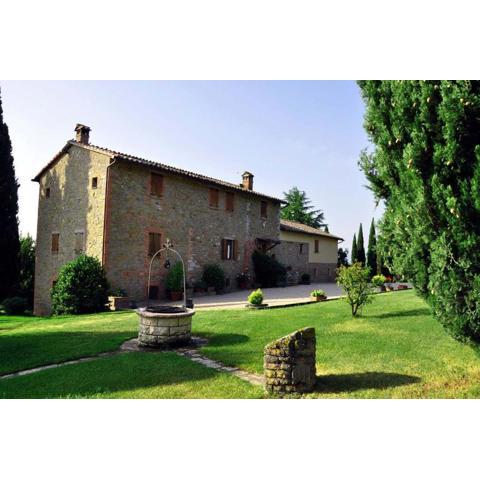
(289, 363)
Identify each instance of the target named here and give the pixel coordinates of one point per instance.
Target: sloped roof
(297, 227)
(156, 165)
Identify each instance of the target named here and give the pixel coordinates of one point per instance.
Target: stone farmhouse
(121, 208)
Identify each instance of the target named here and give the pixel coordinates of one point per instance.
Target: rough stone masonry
(289, 363)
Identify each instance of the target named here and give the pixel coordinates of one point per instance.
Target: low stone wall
(289, 363)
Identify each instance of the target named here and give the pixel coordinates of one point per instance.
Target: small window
(301, 248)
(315, 272)
(55, 242)
(47, 192)
(79, 245)
(229, 249)
(154, 243)
(229, 201)
(156, 184)
(213, 195)
(317, 246)
(263, 209)
(94, 182)
(153, 292)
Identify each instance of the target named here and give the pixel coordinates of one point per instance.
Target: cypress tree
(425, 168)
(360, 247)
(354, 249)
(372, 249)
(9, 238)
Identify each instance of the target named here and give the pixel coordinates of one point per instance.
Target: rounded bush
(213, 276)
(81, 287)
(318, 293)
(174, 280)
(378, 280)
(256, 297)
(15, 305)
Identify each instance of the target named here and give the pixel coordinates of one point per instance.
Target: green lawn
(396, 349)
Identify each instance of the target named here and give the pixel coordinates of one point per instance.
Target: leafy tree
(354, 249)
(9, 238)
(268, 271)
(372, 249)
(342, 257)
(27, 268)
(81, 287)
(426, 170)
(299, 209)
(360, 247)
(355, 283)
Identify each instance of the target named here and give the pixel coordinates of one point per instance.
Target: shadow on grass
(415, 312)
(221, 339)
(362, 381)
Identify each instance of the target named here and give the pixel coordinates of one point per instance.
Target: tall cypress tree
(354, 249)
(360, 247)
(9, 239)
(372, 249)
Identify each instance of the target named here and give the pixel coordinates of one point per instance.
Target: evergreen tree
(372, 249)
(9, 238)
(360, 247)
(426, 170)
(342, 257)
(299, 209)
(27, 268)
(326, 230)
(354, 249)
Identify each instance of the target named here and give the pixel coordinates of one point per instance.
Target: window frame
(153, 244)
(94, 183)
(213, 197)
(157, 188)
(264, 209)
(317, 246)
(229, 195)
(55, 235)
(229, 249)
(47, 192)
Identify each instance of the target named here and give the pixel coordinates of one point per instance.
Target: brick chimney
(82, 134)
(247, 181)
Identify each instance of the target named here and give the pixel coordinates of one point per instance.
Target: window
(47, 192)
(55, 242)
(94, 182)
(154, 243)
(315, 272)
(229, 201)
(229, 249)
(153, 292)
(301, 248)
(263, 209)
(156, 184)
(316, 246)
(213, 195)
(79, 245)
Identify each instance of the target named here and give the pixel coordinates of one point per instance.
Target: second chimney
(247, 181)
(82, 134)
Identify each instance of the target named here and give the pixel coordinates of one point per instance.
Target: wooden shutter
(156, 184)
(235, 249)
(224, 249)
(213, 195)
(316, 246)
(229, 201)
(154, 243)
(263, 209)
(55, 241)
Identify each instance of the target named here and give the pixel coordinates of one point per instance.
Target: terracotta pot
(318, 299)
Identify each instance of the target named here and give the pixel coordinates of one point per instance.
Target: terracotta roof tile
(291, 226)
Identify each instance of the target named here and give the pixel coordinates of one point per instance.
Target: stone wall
(289, 363)
(73, 206)
(182, 214)
(294, 257)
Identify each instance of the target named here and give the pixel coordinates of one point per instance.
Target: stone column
(289, 363)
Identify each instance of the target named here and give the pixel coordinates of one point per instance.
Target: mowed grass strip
(395, 349)
(130, 375)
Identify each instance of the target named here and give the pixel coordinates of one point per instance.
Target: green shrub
(318, 293)
(256, 297)
(213, 276)
(15, 305)
(305, 279)
(268, 271)
(378, 280)
(355, 282)
(174, 280)
(81, 287)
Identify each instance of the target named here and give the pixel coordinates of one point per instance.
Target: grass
(395, 350)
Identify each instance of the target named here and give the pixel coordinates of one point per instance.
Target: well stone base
(164, 329)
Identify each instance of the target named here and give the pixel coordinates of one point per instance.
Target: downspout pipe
(106, 211)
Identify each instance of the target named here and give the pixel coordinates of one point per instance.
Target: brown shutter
(316, 246)
(213, 197)
(156, 184)
(224, 249)
(263, 209)
(154, 243)
(235, 249)
(229, 201)
(55, 241)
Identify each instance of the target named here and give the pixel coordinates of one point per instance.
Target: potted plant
(255, 300)
(200, 288)
(174, 282)
(318, 295)
(214, 278)
(379, 282)
(118, 300)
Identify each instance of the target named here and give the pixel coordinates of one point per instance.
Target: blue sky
(287, 133)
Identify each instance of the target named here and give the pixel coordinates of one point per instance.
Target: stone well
(164, 326)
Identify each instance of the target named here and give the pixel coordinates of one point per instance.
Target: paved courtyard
(272, 296)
